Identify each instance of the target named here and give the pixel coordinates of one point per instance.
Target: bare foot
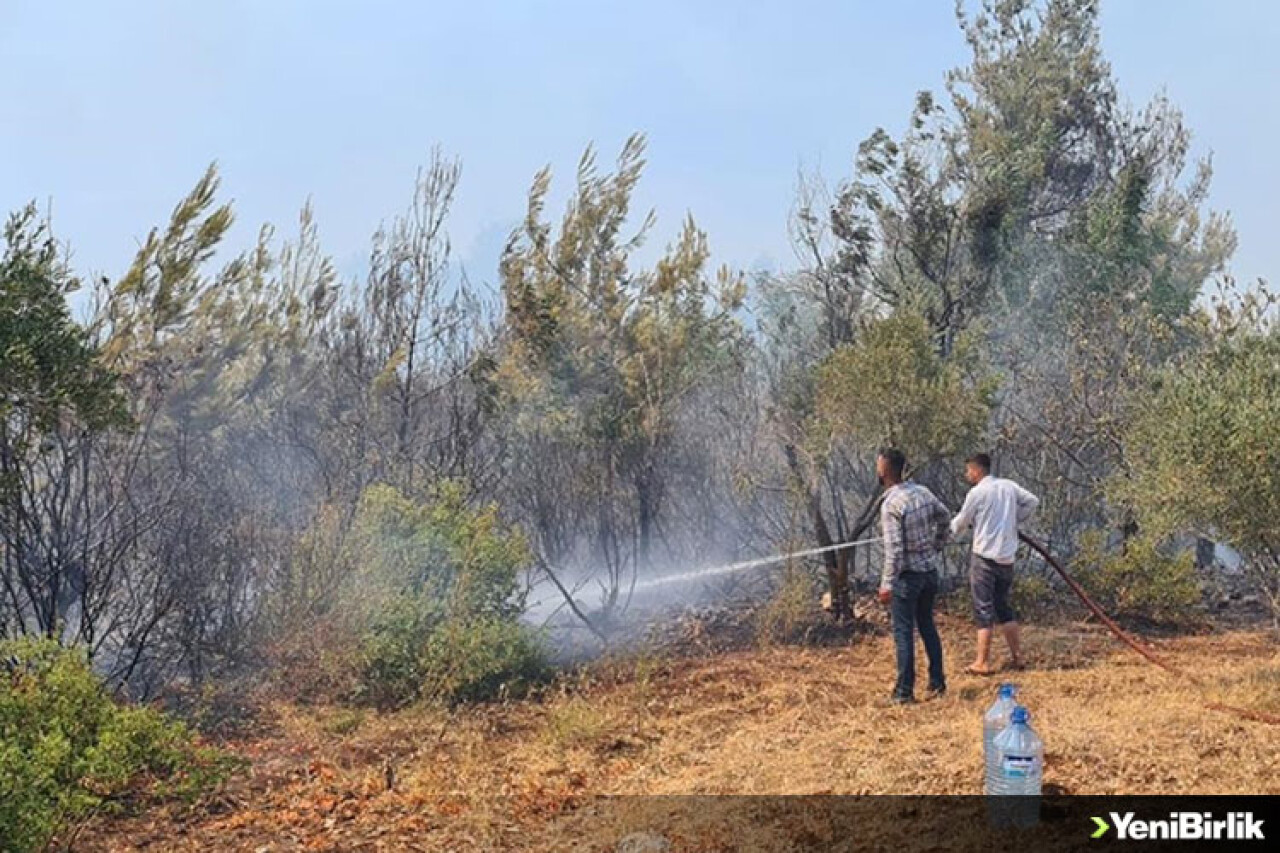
(979, 669)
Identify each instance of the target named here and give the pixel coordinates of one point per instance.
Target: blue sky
(112, 110)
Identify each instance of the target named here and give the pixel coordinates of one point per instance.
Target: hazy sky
(111, 110)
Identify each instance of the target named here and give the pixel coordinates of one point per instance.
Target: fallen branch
(573, 605)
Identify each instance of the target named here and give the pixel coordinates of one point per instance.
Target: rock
(643, 842)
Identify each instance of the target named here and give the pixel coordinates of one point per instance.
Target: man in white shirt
(994, 507)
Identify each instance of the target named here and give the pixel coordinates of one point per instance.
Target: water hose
(1123, 636)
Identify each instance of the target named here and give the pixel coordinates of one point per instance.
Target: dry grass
(782, 720)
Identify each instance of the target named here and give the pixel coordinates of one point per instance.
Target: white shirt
(995, 507)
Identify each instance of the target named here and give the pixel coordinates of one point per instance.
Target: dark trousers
(912, 607)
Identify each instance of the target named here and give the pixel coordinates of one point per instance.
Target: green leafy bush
(437, 600)
(1139, 580)
(1206, 444)
(68, 750)
(1035, 595)
(482, 659)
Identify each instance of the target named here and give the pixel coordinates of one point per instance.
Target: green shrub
(1205, 442)
(408, 657)
(437, 601)
(482, 659)
(1035, 595)
(1140, 580)
(68, 750)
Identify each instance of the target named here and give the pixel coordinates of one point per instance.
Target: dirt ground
(774, 721)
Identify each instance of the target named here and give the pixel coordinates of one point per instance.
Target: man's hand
(884, 595)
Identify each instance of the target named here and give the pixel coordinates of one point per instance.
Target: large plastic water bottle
(994, 721)
(1020, 756)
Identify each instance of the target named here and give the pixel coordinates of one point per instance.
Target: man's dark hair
(896, 460)
(982, 460)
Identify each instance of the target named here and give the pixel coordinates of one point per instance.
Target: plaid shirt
(914, 524)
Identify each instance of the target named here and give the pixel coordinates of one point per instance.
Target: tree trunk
(835, 561)
(646, 499)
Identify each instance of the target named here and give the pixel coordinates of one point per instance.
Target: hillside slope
(783, 720)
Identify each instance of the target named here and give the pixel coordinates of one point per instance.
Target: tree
(423, 331)
(55, 394)
(1029, 207)
(804, 318)
(1104, 246)
(598, 362)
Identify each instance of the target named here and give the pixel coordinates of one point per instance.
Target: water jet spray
(730, 568)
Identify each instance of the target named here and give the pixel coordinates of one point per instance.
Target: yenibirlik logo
(1183, 826)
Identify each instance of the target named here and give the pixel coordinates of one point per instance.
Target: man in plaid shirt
(915, 525)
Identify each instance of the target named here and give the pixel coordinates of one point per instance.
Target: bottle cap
(1007, 690)
(1019, 715)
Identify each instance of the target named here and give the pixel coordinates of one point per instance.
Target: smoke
(660, 590)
